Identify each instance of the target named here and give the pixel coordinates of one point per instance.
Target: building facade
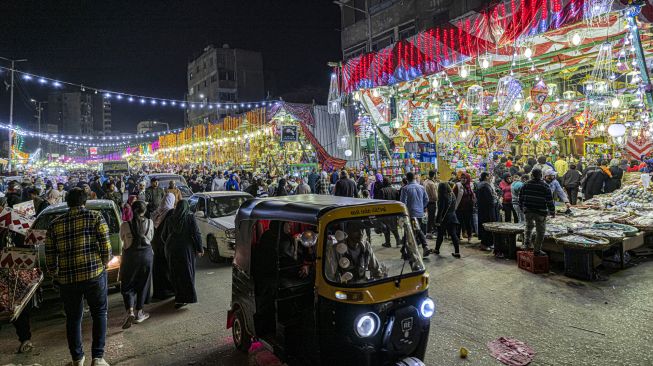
(371, 25)
(79, 113)
(101, 115)
(222, 75)
(151, 126)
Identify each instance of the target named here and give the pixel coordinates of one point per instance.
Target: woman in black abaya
(182, 242)
(162, 287)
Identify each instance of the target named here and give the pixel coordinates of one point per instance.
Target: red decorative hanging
(533, 13)
(503, 16)
(513, 10)
(412, 53)
(391, 62)
(476, 30)
(545, 11)
(406, 57)
(468, 37)
(400, 54)
(437, 46)
(445, 45)
(452, 34)
(557, 7)
(522, 9)
(419, 50)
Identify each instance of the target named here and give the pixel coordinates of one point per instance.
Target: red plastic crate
(532, 263)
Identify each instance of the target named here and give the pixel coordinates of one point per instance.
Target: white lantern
(475, 97)
(348, 153)
(617, 130)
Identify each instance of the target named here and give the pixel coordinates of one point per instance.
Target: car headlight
(114, 262)
(427, 308)
(367, 325)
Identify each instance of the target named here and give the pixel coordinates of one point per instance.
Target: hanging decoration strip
(135, 98)
(502, 30)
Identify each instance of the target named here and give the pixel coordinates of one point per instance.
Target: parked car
(165, 178)
(215, 213)
(111, 215)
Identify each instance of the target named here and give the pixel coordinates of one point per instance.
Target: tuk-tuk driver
(356, 257)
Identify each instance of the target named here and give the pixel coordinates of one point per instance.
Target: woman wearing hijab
(486, 203)
(465, 200)
(614, 182)
(136, 266)
(162, 287)
(182, 242)
(447, 219)
(281, 188)
(375, 192)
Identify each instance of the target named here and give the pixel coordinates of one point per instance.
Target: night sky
(142, 47)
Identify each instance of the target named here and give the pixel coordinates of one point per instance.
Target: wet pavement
(479, 298)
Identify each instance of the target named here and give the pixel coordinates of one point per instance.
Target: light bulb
(435, 83)
(530, 115)
(375, 93)
(485, 63)
(576, 39)
(463, 73)
(615, 102)
(517, 106)
(528, 52)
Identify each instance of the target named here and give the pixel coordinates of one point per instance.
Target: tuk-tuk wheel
(214, 251)
(242, 339)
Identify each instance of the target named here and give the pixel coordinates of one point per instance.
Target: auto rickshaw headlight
(427, 308)
(367, 325)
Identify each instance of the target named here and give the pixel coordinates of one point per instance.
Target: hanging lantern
(596, 12)
(463, 71)
(509, 90)
(616, 130)
(334, 95)
(484, 62)
(448, 114)
(418, 120)
(569, 95)
(343, 131)
(475, 98)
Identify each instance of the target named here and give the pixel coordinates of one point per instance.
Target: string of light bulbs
(92, 140)
(135, 98)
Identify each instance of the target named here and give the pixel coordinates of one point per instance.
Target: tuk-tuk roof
(306, 208)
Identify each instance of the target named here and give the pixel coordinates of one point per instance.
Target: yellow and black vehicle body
(315, 279)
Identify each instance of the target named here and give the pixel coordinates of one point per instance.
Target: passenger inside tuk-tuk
(281, 268)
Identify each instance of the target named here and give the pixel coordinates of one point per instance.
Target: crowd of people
(159, 258)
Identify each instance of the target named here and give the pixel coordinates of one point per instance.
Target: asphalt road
(479, 298)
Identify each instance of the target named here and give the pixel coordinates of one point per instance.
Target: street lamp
(39, 109)
(11, 106)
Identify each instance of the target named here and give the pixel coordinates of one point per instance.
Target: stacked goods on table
(16, 288)
(584, 242)
(628, 198)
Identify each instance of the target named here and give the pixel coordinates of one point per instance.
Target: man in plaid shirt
(77, 251)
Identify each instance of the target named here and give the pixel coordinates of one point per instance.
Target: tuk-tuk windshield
(358, 251)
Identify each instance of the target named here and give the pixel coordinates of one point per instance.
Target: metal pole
(11, 115)
(376, 148)
(39, 122)
(369, 25)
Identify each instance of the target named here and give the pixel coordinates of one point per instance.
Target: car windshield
(355, 252)
(44, 220)
(224, 206)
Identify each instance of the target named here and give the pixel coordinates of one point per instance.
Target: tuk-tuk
(315, 280)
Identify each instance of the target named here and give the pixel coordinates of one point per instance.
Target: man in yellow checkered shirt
(77, 251)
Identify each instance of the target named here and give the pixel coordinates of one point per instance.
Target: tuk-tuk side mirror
(199, 214)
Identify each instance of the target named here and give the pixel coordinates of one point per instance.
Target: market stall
(521, 78)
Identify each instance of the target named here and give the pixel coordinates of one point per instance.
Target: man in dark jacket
(345, 187)
(13, 194)
(593, 179)
(39, 203)
(571, 182)
(536, 201)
